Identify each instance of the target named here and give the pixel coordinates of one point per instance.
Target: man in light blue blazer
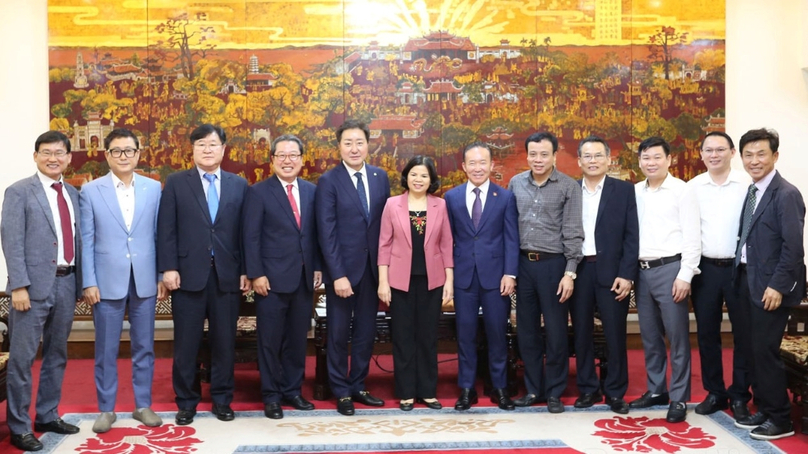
(119, 211)
(41, 243)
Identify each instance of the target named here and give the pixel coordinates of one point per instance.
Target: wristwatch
(571, 274)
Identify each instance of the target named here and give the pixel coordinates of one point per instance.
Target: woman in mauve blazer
(415, 276)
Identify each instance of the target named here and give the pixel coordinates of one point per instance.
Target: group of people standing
(573, 248)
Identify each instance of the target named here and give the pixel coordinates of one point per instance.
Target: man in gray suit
(40, 236)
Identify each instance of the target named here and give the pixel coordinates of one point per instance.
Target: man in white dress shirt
(670, 248)
(721, 192)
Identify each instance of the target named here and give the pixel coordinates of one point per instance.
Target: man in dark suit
(770, 277)
(485, 228)
(348, 208)
(199, 252)
(281, 253)
(40, 236)
(605, 275)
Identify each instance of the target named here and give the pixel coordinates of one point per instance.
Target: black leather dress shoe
(273, 410)
(751, 422)
(431, 404)
(528, 400)
(468, 397)
(56, 426)
(406, 406)
(299, 403)
(365, 398)
(500, 397)
(771, 431)
(26, 442)
(185, 417)
(554, 405)
(223, 412)
(710, 405)
(617, 405)
(739, 409)
(586, 400)
(677, 412)
(648, 401)
(345, 406)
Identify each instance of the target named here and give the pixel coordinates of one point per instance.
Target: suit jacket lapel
(768, 196)
(432, 204)
(606, 191)
(141, 191)
(42, 198)
(346, 179)
(278, 190)
(491, 200)
(195, 183)
(107, 190)
(403, 216)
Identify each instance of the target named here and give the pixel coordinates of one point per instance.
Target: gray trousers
(659, 316)
(50, 320)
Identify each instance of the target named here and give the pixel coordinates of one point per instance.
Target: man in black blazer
(770, 277)
(348, 208)
(200, 254)
(605, 275)
(281, 254)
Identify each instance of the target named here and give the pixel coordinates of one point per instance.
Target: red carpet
(79, 390)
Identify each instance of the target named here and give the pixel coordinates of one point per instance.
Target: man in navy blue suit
(605, 275)
(770, 277)
(200, 254)
(348, 209)
(281, 254)
(485, 228)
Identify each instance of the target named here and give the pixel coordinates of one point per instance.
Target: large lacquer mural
(428, 76)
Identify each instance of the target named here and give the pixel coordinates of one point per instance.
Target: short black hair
(753, 135)
(429, 163)
(207, 129)
(120, 133)
(52, 137)
(594, 139)
(477, 144)
(654, 141)
(286, 138)
(539, 136)
(719, 134)
(353, 124)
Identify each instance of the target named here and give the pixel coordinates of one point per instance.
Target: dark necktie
(363, 198)
(293, 203)
(64, 220)
(748, 212)
(476, 208)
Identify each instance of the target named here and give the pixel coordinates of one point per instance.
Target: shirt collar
(218, 173)
(764, 182)
(666, 183)
(46, 180)
(733, 177)
(553, 176)
(598, 186)
(117, 181)
(483, 187)
(352, 172)
(284, 183)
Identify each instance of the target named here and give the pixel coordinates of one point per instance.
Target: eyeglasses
(593, 157)
(714, 150)
(291, 157)
(50, 154)
(202, 145)
(117, 152)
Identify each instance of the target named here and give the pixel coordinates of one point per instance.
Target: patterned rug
(531, 430)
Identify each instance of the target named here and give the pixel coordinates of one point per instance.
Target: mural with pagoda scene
(428, 76)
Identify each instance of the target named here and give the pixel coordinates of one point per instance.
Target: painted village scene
(427, 76)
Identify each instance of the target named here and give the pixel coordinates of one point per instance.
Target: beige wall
(767, 47)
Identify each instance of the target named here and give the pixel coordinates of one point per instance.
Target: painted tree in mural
(663, 43)
(185, 41)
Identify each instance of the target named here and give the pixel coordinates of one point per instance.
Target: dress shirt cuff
(572, 265)
(686, 274)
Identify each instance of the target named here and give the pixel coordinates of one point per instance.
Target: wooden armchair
(794, 352)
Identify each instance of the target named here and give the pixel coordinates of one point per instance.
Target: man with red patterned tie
(40, 236)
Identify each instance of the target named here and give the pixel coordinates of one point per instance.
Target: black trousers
(764, 330)
(587, 295)
(711, 289)
(190, 310)
(415, 315)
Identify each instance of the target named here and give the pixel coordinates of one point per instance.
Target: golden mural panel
(428, 76)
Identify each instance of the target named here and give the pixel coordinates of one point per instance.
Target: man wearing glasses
(41, 243)
(605, 275)
(200, 254)
(282, 258)
(119, 271)
(721, 192)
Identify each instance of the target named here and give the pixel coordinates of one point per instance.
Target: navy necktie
(363, 198)
(476, 208)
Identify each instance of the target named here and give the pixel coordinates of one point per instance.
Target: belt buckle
(533, 256)
(644, 265)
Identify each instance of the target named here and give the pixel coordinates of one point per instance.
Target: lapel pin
(495, 194)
